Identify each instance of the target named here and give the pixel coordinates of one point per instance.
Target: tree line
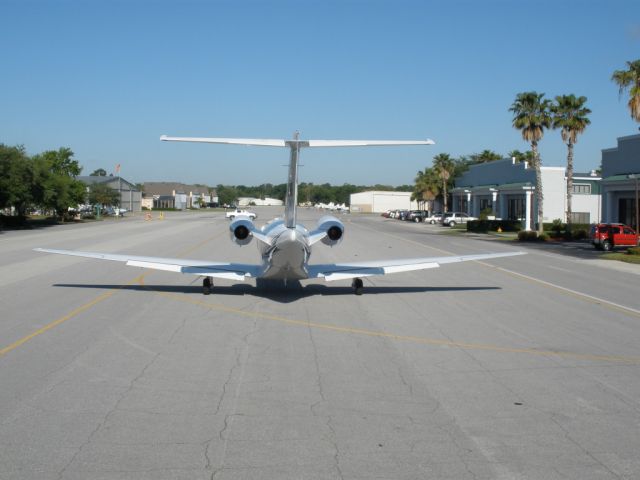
(46, 181)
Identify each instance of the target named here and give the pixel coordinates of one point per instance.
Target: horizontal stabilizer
(256, 142)
(367, 143)
(271, 142)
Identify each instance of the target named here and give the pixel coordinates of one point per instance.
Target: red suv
(605, 236)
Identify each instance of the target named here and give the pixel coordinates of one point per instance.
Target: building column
(527, 210)
(502, 213)
(494, 197)
(608, 208)
(469, 204)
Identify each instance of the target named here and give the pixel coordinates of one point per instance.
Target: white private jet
(284, 244)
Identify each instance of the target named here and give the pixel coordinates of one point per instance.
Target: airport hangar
(377, 201)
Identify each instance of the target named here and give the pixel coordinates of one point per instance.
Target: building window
(626, 211)
(580, 217)
(485, 203)
(582, 188)
(515, 208)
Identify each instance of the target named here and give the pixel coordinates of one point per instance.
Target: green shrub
(527, 235)
(484, 214)
(557, 227)
(484, 226)
(532, 236)
(478, 226)
(13, 221)
(576, 234)
(633, 251)
(568, 231)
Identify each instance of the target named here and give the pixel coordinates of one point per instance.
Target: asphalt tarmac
(524, 367)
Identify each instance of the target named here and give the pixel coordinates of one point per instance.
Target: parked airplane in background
(284, 244)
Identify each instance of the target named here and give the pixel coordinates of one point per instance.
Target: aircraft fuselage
(287, 254)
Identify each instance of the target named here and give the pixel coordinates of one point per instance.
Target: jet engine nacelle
(241, 230)
(334, 229)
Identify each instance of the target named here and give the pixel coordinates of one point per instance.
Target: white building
(381, 201)
(508, 189)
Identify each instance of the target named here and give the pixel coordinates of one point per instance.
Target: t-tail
(291, 199)
(295, 145)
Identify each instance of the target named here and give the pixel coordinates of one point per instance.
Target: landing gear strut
(357, 286)
(207, 284)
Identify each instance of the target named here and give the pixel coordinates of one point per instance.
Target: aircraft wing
(341, 271)
(229, 271)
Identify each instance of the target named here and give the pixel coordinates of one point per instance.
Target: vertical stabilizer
(291, 200)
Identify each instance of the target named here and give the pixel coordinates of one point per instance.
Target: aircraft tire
(207, 284)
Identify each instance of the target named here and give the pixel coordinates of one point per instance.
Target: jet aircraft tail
(291, 199)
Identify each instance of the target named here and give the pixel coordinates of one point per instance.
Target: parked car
(434, 218)
(451, 219)
(606, 236)
(402, 214)
(238, 212)
(416, 216)
(115, 211)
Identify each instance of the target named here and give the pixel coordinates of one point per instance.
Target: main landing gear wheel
(357, 286)
(207, 285)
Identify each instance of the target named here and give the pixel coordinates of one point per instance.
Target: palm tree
(570, 115)
(485, 156)
(630, 79)
(444, 165)
(531, 116)
(426, 188)
(520, 156)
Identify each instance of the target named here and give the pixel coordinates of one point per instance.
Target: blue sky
(107, 78)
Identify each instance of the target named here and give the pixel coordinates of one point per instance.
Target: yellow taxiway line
(66, 317)
(89, 304)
